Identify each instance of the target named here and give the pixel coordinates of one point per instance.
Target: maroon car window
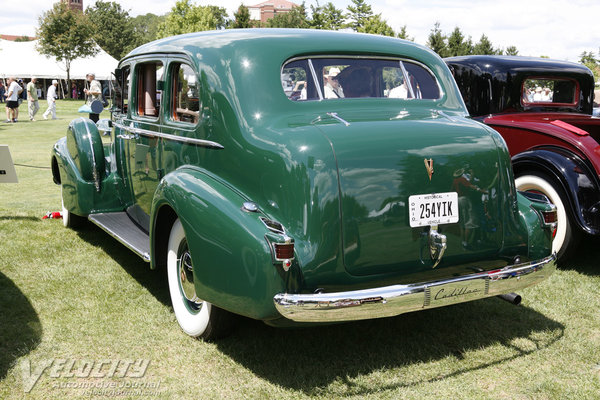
(354, 77)
(549, 91)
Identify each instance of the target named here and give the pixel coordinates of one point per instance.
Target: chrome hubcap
(185, 274)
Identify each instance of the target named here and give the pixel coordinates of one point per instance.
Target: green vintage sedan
(299, 176)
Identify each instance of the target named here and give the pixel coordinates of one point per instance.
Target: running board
(122, 228)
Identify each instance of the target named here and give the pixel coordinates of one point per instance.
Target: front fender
(576, 178)
(233, 268)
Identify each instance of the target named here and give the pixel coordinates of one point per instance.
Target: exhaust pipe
(512, 298)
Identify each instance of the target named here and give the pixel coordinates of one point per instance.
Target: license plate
(433, 209)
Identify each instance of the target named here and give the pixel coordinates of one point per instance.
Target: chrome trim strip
(398, 299)
(334, 115)
(145, 255)
(143, 132)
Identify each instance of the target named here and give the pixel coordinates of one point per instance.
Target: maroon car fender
(575, 177)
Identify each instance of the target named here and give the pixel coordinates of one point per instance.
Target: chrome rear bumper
(398, 299)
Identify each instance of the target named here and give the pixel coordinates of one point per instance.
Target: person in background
(73, 91)
(32, 99)
(2, 92)
(93, 93)
(51, 98)
(12, 100)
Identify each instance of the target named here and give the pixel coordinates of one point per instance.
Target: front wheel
(564, 242)
(70, 220)
(197, 318)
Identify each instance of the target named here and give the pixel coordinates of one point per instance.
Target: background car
(303, 209)
(543, 110)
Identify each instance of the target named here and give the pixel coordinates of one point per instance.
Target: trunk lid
(381, 163)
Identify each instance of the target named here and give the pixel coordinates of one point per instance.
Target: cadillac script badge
(429, 166)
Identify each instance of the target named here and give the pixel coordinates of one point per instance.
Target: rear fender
(85, 148)
(576, 179)
(233, 267)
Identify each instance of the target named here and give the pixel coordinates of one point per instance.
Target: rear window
(351, 77)
(549, 91)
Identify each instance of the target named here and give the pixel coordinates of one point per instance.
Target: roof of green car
(295, 41)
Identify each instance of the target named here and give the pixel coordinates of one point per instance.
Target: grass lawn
(81, 297)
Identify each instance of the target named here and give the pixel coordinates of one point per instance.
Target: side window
(185, 94)
(297, 81)
(149, 88)
(121, 90)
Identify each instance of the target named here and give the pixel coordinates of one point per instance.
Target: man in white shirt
(12, 100)
(93, 93)
(333, 89)
(51, 98)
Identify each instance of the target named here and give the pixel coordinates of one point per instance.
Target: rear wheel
(196, 317)
(565, 240)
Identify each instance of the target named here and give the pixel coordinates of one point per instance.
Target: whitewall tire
(196, 317)
(70, 220)
(564, 240)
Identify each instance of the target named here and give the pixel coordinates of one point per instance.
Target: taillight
(284, 251)
(550, 217)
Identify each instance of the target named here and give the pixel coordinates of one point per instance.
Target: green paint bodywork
(341, 192)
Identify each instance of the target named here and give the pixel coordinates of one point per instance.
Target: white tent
(22, 60)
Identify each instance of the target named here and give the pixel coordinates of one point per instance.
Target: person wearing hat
(538, 94)
(332, 88)
(51, 98)
(93, 93)
(32, 99)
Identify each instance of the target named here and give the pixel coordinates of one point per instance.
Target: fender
(79, 166)
(85, 148)
(229, 247)
(576, 177)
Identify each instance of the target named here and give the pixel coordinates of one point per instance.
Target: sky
(553, 28)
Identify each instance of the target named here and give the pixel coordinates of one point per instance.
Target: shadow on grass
(153, 280)
(586, 257)
(20, 327)
(310, 359)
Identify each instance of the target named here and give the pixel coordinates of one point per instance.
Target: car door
(186, 128)
(143, 136)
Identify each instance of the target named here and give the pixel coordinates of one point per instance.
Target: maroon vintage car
(543, 109)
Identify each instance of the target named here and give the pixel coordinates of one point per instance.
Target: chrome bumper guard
(398, 299)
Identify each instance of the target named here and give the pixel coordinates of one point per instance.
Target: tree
(145, 29)
(185, 18)
(403, 34)
(484, 46)
(437, 41)
(23, 39)
(333, 18)
(241, 18)
(457, 45)
(511, 51)
(65, 35)
(593, 63)
(358, 14)
(296, 18)
(113, 28)
(375, 25)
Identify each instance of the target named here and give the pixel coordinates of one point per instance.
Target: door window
(149, 88)
(185, 95)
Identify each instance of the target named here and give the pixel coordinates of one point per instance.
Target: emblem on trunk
(429, 166)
